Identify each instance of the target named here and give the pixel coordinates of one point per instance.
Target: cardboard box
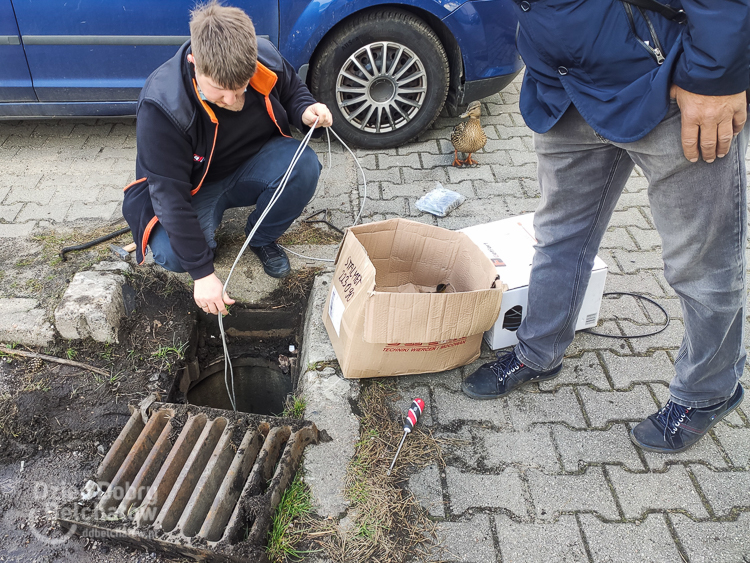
(383, 315)
(509, 243)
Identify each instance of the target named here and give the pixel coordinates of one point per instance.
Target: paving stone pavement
(547, 474)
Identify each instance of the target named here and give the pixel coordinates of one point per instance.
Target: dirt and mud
(58, 421)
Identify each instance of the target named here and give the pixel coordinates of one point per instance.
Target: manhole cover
(193, 481)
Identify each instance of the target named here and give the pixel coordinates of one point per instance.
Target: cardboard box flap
(429, 317)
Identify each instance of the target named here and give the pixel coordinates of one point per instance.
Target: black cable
(92, 242)
(637, 296)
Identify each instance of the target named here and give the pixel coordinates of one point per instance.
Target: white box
(509, 243)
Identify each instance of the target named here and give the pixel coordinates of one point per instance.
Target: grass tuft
(289, 527)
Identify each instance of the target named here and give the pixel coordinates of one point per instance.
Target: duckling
(468, 136)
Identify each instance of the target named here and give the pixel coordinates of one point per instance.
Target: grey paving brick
(585, 370)
(515, 145)
(633, 199)
(530, 188)
(627, 370)
(491, 188)
(503, 173)
(714, 542)
(528, 408)
(104, 211)
(449, 379)
(618, 237)
(496, 158)
(478, 172)
(629, 218)
(724, 490)
(521, 449)
(409, 175)
(466, 541)
(641, 282)
(462, 447)
(518, 206)
(16, 230)
(736, 443)
(425, 485)
(522, 157)
(558, 541)
(470, 490)
(38, 195)
(636, 182)
(634, 261)
(617, 406)
(53, 212)
(413, 190)
(406, 160)
(92, 128)
(483, 210)
(388, 175)
(649, 541)
(580, 448)
(429, 146)
(669, 339)
(8, 213)
(561, 494)
(647, 239)
(455, 406)
(642, 492)
(624, 307)
(437, 160)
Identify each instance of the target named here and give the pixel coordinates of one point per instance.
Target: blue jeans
(700, 212)
(253, 183)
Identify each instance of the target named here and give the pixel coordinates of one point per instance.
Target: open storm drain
(193, 481)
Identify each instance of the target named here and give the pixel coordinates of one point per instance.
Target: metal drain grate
(193, 481)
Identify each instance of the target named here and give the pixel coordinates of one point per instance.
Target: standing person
(608, 85)
(213, 133)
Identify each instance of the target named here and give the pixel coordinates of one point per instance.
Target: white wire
(228, 370)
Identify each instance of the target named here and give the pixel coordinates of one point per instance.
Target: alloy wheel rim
(381, 87)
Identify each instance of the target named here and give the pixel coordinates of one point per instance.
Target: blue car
(385, 69)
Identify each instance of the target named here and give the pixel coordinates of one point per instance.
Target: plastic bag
(440, 201)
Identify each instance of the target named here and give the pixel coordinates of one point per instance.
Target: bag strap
(668, 12)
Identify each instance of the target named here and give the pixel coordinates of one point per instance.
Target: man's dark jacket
(585, 52)
(176, 134)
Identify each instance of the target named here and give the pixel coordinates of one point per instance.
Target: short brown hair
(224, 44)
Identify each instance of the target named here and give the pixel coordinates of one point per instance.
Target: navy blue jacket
(175, 135)
(584, 52)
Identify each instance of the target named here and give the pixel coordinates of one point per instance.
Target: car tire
(397, 101)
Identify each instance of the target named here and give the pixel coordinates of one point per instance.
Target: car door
(15, 81)
(99, 50)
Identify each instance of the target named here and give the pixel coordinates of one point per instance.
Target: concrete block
(529, 408)
(13, 230)
(618, 237)
(581, 448)
(522, 449)
(23, 322)
(627, 370)
(634, 261)
(558, 541)
(724, 490)
(103, 211)
(711, 542)
(647, 239)
(648, 541)
(631, 217)
(91, 307)
(736, 442)
(617, 406)
(586, 370)
(425, 485)
(455, 406)
(471, 490)
(560, 494)
(639, 493)
(54, 211)
(466, 541)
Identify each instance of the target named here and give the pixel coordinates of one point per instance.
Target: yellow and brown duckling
(468, 136)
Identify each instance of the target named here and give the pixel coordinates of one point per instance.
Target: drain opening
(260, 387)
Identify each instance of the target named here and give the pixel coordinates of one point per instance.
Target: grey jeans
(700, 212)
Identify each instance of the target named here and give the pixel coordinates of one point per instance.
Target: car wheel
(384, 75)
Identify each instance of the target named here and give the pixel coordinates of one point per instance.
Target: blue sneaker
(497, 379)
(675, 428)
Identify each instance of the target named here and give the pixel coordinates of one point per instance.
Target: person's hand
(317, 110)
(709, 123)
(210, 296)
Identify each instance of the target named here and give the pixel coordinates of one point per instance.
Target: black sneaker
(274, 259)
(497, 379)
(675, 428)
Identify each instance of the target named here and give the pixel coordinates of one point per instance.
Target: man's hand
(709, 123)
(317, 110)
(210, 296)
